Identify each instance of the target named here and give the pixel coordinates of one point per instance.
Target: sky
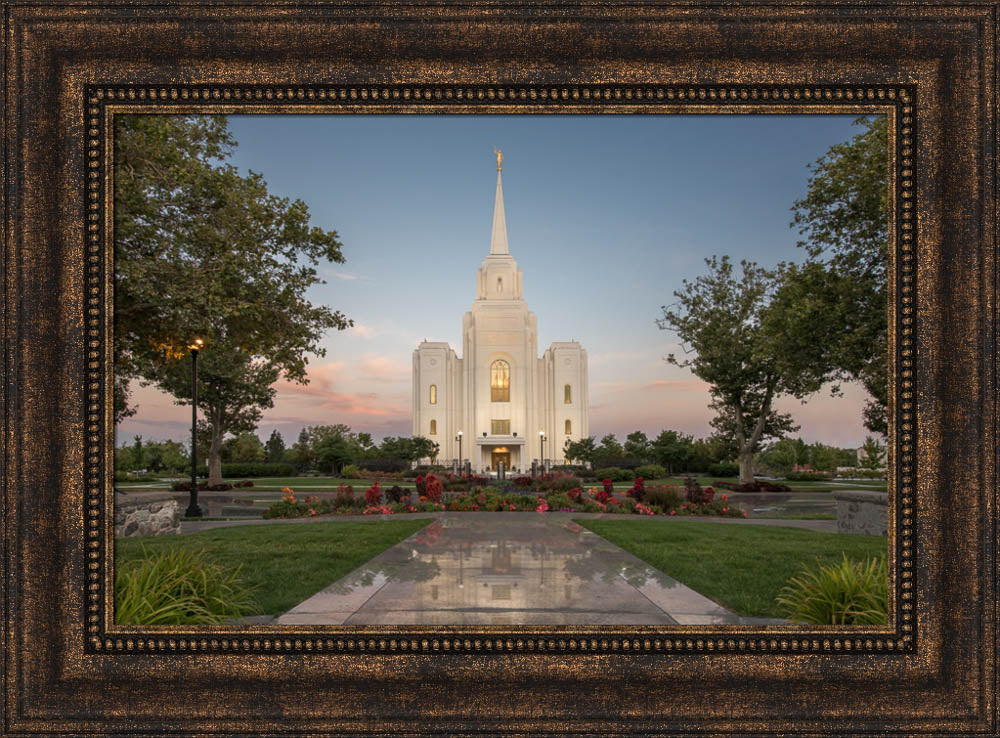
(606, 215)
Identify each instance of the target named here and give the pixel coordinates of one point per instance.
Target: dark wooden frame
(68, 68)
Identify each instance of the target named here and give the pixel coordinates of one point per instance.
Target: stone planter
(147, 517)
(863, 513)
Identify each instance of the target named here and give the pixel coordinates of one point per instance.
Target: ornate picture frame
(70, 69)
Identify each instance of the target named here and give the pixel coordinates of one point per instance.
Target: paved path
(508, 568)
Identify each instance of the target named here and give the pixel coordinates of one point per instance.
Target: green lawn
(742, 567)
(287, 562)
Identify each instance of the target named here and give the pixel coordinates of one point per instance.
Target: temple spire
(498, 241)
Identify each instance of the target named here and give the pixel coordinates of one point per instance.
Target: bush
(258, 469)
(349, 472)
(664, 495)
(614, 473)
(389, 464)
(807, 476)
(565, 484)
(756, 486)
(345, 496)
(180, 587)
(373, 495)
(651, 471)
(724, 469)
(397, 494)
(578, 470)
(848, 593)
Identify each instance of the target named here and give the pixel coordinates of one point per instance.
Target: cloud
(384, 369)
(360, 329)
(680, 385)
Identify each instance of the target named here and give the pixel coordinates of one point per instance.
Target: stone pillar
(500, 471)
(534, 467)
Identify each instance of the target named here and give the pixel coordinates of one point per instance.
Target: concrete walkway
(509, 568)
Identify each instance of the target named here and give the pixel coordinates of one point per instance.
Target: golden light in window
(434, 394)
(569, 426)
(500, 381)
(567, 394)
(434, 427)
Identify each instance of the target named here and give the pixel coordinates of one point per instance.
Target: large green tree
(581, 451)
(673, 450)
(203, 250)
(752, 338)
(844, 222)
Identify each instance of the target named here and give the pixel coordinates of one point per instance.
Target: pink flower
(673, 512)
(311, 511)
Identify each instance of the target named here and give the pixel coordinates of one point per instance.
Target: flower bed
(639, 500)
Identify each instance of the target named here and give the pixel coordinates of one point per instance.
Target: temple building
(500, 401)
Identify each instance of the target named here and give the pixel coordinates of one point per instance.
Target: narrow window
(434, 394)
(499, 285)
(434, 427)
(500, 381)
(567, 395)
(569, 426)
(500, 427)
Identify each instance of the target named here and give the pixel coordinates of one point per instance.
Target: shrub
(651, 471)
(848, 593)
(621, 462)
(258, 469)
(180, 587)
(524, 482)
(565, 483)
(389, 464)
(614, 473)
(724, 469)
(578, 470)
(756, 486)
(664, 495)
(807, 476)
(373, 495)
(349, 472)
(397, 493)
(433, 488)
(638, 490)
(345, 496)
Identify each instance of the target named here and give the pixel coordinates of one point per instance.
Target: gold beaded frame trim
(103, 102)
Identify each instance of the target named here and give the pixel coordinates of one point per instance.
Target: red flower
(673, 512)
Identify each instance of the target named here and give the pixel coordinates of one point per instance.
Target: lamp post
(541, 437)
(459, 439)
(193, 510)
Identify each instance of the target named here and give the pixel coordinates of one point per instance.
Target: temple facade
(500, 401)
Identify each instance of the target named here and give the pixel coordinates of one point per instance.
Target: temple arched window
(569, 426)
(567, 395)
(434, 427)
(500, 381)
(434, 394)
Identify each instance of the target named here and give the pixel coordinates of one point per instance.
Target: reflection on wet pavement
(507, 568)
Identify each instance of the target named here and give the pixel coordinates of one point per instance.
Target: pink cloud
(385, 369)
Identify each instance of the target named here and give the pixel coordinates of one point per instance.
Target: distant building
(500, 396)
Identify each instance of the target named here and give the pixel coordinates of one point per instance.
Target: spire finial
(499, 154)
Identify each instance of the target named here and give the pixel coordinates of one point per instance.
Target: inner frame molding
(102, 103)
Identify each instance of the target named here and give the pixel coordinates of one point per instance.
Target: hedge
(258, 469)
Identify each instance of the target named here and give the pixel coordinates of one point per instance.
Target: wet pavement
(508, 568)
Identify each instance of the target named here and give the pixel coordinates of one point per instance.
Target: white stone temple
(504, 402)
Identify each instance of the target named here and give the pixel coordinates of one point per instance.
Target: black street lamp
(459, 439)
(193, 510)
(541, 437)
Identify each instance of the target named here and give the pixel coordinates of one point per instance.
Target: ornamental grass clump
(848, 593)
(180, 587)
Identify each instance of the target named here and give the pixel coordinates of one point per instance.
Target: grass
(285, 562)
(796, 516)
(742, 567)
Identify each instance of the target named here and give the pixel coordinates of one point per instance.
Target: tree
(201, 250)
(247, 448)
(581, 451)
(274, 449)
(752, 339)
(424, 448)
(872, 454)
(637, 445)
(672, 450)
(610, 446)
(844, 221)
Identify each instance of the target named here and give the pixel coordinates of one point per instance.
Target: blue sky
(605, 216)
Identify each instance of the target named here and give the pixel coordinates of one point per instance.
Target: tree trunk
(746, 467)
(215, 457)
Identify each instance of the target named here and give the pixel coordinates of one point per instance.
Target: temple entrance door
(500, 454)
